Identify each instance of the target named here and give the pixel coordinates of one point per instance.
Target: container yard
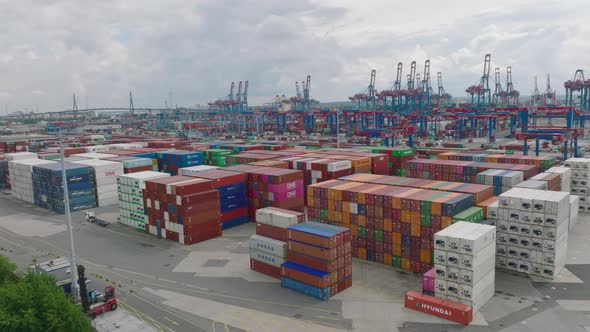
(402, 209)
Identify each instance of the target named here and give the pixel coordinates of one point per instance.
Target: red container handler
(448, 310)
(261, 267)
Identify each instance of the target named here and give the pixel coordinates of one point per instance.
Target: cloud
(195, 49)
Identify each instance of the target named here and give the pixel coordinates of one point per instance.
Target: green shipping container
(396, 261)
(402, 152)
(473, 214)
(424, 220)
(363, 232)
(378, 235)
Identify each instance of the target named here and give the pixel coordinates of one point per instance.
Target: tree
(6, 268)
(35, 303)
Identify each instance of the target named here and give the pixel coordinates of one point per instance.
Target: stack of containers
(105, 173)
(267, 255)
(479, 192)
(318, 170)
(21, 177)
(474, 214)
(359, 164)
(390, 225)
(244, 158)
(153, 156)
(484, 205)
(135, 164)
(379, 162)
(232, 187)
(93, 155)
(273, 222)
(553, 180)
(319, 260)
(533, 184)
(460, 171)
(276, 187)
(96, 148)
(580, 180)
(464, 257)
(541, 162)
(182, 209)
(72, 150)
(428, 282)
(322, 170)
(271, 228)
(20, 156)
(271, 163)
(193, 171)
(170, 161)
(396, 158)
(501, 180)
(49, 191)
(565, 175)
(574, 209)
(532, 231)
(4, 183)
(216, 157)
(130, 188)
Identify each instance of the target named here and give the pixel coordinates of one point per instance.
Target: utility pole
(338, 129)
(73, 264)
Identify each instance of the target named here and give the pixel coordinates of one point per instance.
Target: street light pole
(338, 129)
(73, 264)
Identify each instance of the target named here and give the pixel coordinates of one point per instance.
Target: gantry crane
(244, 105)
(306, 99)
(426, 87)
(394, 93)
(367, 99)
(481, 95)
(412, 90)
(498, 96)
(549, 96)
(442, 97)
(581, 87)
(513, 94)
(536, 96)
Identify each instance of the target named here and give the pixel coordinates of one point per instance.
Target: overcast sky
(102, 49)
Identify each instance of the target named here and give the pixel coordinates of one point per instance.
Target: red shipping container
(235, 213)
(321, 282)
(159, 185)
(316, 263)
(197, 198)
(320, 241)
(452, 311)
(272, 232)
(189, 186)
(269, 270)
(313, 251)
(204, 207)
(201, 236)
(200, 218)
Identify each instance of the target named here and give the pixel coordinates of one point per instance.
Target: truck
(93, 302)
(91, 218)
(102, 302)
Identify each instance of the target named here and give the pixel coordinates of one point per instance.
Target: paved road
(171, 287)
(135, 261)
